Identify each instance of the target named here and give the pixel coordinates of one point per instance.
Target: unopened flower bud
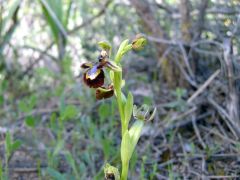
(139, 42)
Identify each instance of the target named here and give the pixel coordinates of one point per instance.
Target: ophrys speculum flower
(94, 76)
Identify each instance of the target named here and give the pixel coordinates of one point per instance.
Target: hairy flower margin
(94, 77)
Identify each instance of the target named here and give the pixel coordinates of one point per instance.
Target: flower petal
(86, 65)
(113, 66)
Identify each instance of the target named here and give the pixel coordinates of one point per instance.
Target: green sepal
(144, 113)
(105, 45)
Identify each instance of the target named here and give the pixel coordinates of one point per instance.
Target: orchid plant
(94, 77)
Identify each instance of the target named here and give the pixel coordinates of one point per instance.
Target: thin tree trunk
(185, 8)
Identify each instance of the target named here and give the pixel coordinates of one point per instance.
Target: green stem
(125, 171)
(120, 101)
(117, 86)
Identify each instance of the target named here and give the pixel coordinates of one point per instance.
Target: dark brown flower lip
(104, 92)
(95, 82)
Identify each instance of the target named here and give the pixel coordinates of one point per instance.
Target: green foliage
(11, 145)
(53, 12)
(1, 170)
(5, 33)
(55, 174)
(68, 112)
(144, 158)
(72, 164)
(30, 121)
(26, 105)
(180, 104)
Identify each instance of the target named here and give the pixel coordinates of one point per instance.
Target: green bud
(139, 42)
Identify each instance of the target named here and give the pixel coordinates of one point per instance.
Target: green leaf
(1, 100)
(72, 163)
(58, 147)
(126, 148)
(44, 71)
(128, 108)
(33, 101)
(68, 10)
(70, 159)
(8, 143)
(16, 145)
(22, 105)
(103, 111)
(55, 174)
(1, 169)
(30, 121)
(12, 10)
(52, 10)
(69, 112)
(135, 133)
(106, 146)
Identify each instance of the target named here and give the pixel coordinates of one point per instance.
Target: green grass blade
(12, 10)
(67, 15)
(52, 10)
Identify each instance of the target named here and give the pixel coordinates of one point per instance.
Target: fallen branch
(203, 86)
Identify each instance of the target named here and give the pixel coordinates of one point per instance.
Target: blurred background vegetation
(52, 127)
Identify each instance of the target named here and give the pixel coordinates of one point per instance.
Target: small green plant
(10, 147)
(94, 77)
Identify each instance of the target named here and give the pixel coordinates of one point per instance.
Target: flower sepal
(105, 45)
(144, 113)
